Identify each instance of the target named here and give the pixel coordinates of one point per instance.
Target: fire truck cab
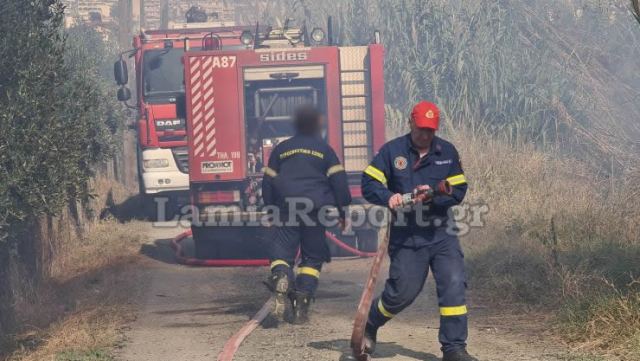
(163, 165)
(239, 105)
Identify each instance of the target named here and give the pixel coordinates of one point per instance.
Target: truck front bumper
(167, 178)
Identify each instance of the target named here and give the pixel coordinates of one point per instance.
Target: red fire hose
(180, 257)
(354, 251)
(232, 345)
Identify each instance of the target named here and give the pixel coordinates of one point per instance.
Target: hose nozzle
(443, 188)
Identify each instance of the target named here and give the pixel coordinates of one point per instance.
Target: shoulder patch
(400, 162)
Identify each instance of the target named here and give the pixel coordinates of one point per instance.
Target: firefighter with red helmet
(422, 240)
(303, 170)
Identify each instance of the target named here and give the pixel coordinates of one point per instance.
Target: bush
(53, 117)
(57, 124)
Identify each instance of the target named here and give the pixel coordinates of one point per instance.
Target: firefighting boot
(301, 302)
(370, 339)
(458, 355)
(278, 283)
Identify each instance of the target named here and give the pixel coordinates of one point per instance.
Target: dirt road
(188, 313)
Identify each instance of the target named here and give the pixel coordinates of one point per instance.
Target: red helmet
(426, 115)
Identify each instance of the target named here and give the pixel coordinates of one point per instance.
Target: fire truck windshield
(163, 73)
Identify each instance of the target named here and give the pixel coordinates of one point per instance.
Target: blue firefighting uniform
(416, 246)
(303, 167)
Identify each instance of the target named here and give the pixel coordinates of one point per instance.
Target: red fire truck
(239, 104)
(163, 165)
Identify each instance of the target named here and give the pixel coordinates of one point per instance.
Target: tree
(57, 122)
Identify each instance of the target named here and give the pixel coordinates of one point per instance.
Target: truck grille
(172, 138)
(181, 155)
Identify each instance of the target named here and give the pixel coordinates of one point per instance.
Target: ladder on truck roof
(355, 96)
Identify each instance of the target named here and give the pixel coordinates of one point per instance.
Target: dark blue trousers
(311, 240)
(407, 275)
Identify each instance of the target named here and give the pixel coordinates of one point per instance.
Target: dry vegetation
(61, 128)
(82, 307)
(75, 314)
(558, 237)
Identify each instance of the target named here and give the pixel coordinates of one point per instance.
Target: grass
(559, 238)
(86, 302)
(583, 358)
(607, 321)
(93, 355)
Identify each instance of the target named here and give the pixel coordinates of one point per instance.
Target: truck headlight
(156, 163)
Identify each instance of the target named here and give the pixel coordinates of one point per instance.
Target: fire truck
(163, 165)
(239, 103)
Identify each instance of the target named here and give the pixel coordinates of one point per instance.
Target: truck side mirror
(120, 72)
(124, 94)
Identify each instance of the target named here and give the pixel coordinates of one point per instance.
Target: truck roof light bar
(149, 40)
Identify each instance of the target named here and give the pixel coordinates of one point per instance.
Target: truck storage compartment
(271, 97)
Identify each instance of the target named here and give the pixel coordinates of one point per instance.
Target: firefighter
(302, 171)
(414, 163)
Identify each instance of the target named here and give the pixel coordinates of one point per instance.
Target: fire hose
(232, 345)
(420, 194)
(360, 322)
(357, 337)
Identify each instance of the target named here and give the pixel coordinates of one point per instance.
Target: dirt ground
(187, 313)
